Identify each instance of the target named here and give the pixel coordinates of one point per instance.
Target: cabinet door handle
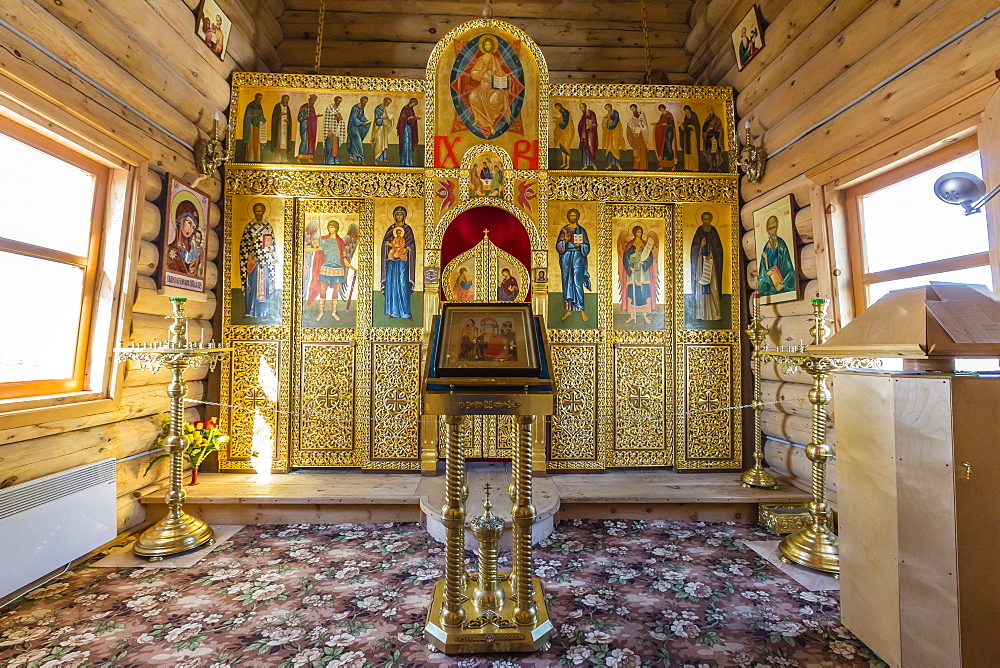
(968, 470)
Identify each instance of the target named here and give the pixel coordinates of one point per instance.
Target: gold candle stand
(177, 531)
(488, 529)
(816, 546)
(757, 475)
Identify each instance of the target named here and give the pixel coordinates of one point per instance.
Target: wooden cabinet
(918, 461)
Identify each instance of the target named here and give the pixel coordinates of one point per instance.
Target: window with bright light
(903, 236)
(49, 242)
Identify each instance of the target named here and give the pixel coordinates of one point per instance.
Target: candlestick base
(757, 476)
(819, 550)
(177, 532)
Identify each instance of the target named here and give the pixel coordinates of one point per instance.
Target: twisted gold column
(522, 520)
(816, 546)
(515, 466)
(453, 518)
(757, 476)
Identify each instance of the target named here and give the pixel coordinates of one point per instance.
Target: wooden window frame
(77, 382)
(99, 401)
(855, 225)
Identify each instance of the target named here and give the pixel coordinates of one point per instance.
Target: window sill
(40, 411)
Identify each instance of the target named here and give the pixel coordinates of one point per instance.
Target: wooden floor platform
(343, 495)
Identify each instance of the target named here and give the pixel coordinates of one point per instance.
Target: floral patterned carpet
(620, 593)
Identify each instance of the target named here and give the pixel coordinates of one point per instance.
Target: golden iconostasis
(354, 206)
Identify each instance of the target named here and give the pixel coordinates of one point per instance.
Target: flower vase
(194, 476)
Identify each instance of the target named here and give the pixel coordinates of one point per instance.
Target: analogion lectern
(488, 359)
(917, 469)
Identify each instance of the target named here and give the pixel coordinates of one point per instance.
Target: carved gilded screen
(353, 206)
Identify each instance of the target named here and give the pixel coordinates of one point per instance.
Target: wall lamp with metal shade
(965, 189)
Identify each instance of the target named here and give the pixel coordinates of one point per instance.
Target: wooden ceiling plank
(663, 11)
(429, 29)
(344, 53)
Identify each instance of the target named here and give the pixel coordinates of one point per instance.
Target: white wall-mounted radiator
(47, 523)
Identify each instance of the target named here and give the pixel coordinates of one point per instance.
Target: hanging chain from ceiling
(319, 34)
(645, 43)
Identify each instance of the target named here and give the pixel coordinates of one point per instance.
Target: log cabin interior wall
(842, 91)
(135, 70)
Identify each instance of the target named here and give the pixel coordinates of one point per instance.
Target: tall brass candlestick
(177, 531)
(816, 546)
(757, 476)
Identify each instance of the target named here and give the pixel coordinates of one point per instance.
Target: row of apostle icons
(641, 289)
(348, 128)
(639, 135)
(382, 129)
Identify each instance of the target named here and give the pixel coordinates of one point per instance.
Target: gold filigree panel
(482, 436)
(326, 82)
(650, 188)
(290, 181)
(470, 447)
(640, 91)
(574, 424)
(325, 435)
(710, 432)
(252, 382)
(640, 407)
(395, 416)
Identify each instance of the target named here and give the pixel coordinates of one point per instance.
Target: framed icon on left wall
(184, 257)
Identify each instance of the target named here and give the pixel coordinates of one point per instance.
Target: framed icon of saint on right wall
(774, 237)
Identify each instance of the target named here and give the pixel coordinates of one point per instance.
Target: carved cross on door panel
(705, 401)
(256, 398)
(328, 396)
(639, 398)
(396, 400)
(573, 402)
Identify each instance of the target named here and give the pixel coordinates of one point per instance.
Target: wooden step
(349, 495)
(329, 497)
(665, 494)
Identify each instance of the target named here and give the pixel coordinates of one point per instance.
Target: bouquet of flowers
(203, 438)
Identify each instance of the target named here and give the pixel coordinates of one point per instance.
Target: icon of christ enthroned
(487, 86)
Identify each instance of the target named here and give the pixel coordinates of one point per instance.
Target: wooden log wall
(583, 42)
(841, 89)
(145, 54)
